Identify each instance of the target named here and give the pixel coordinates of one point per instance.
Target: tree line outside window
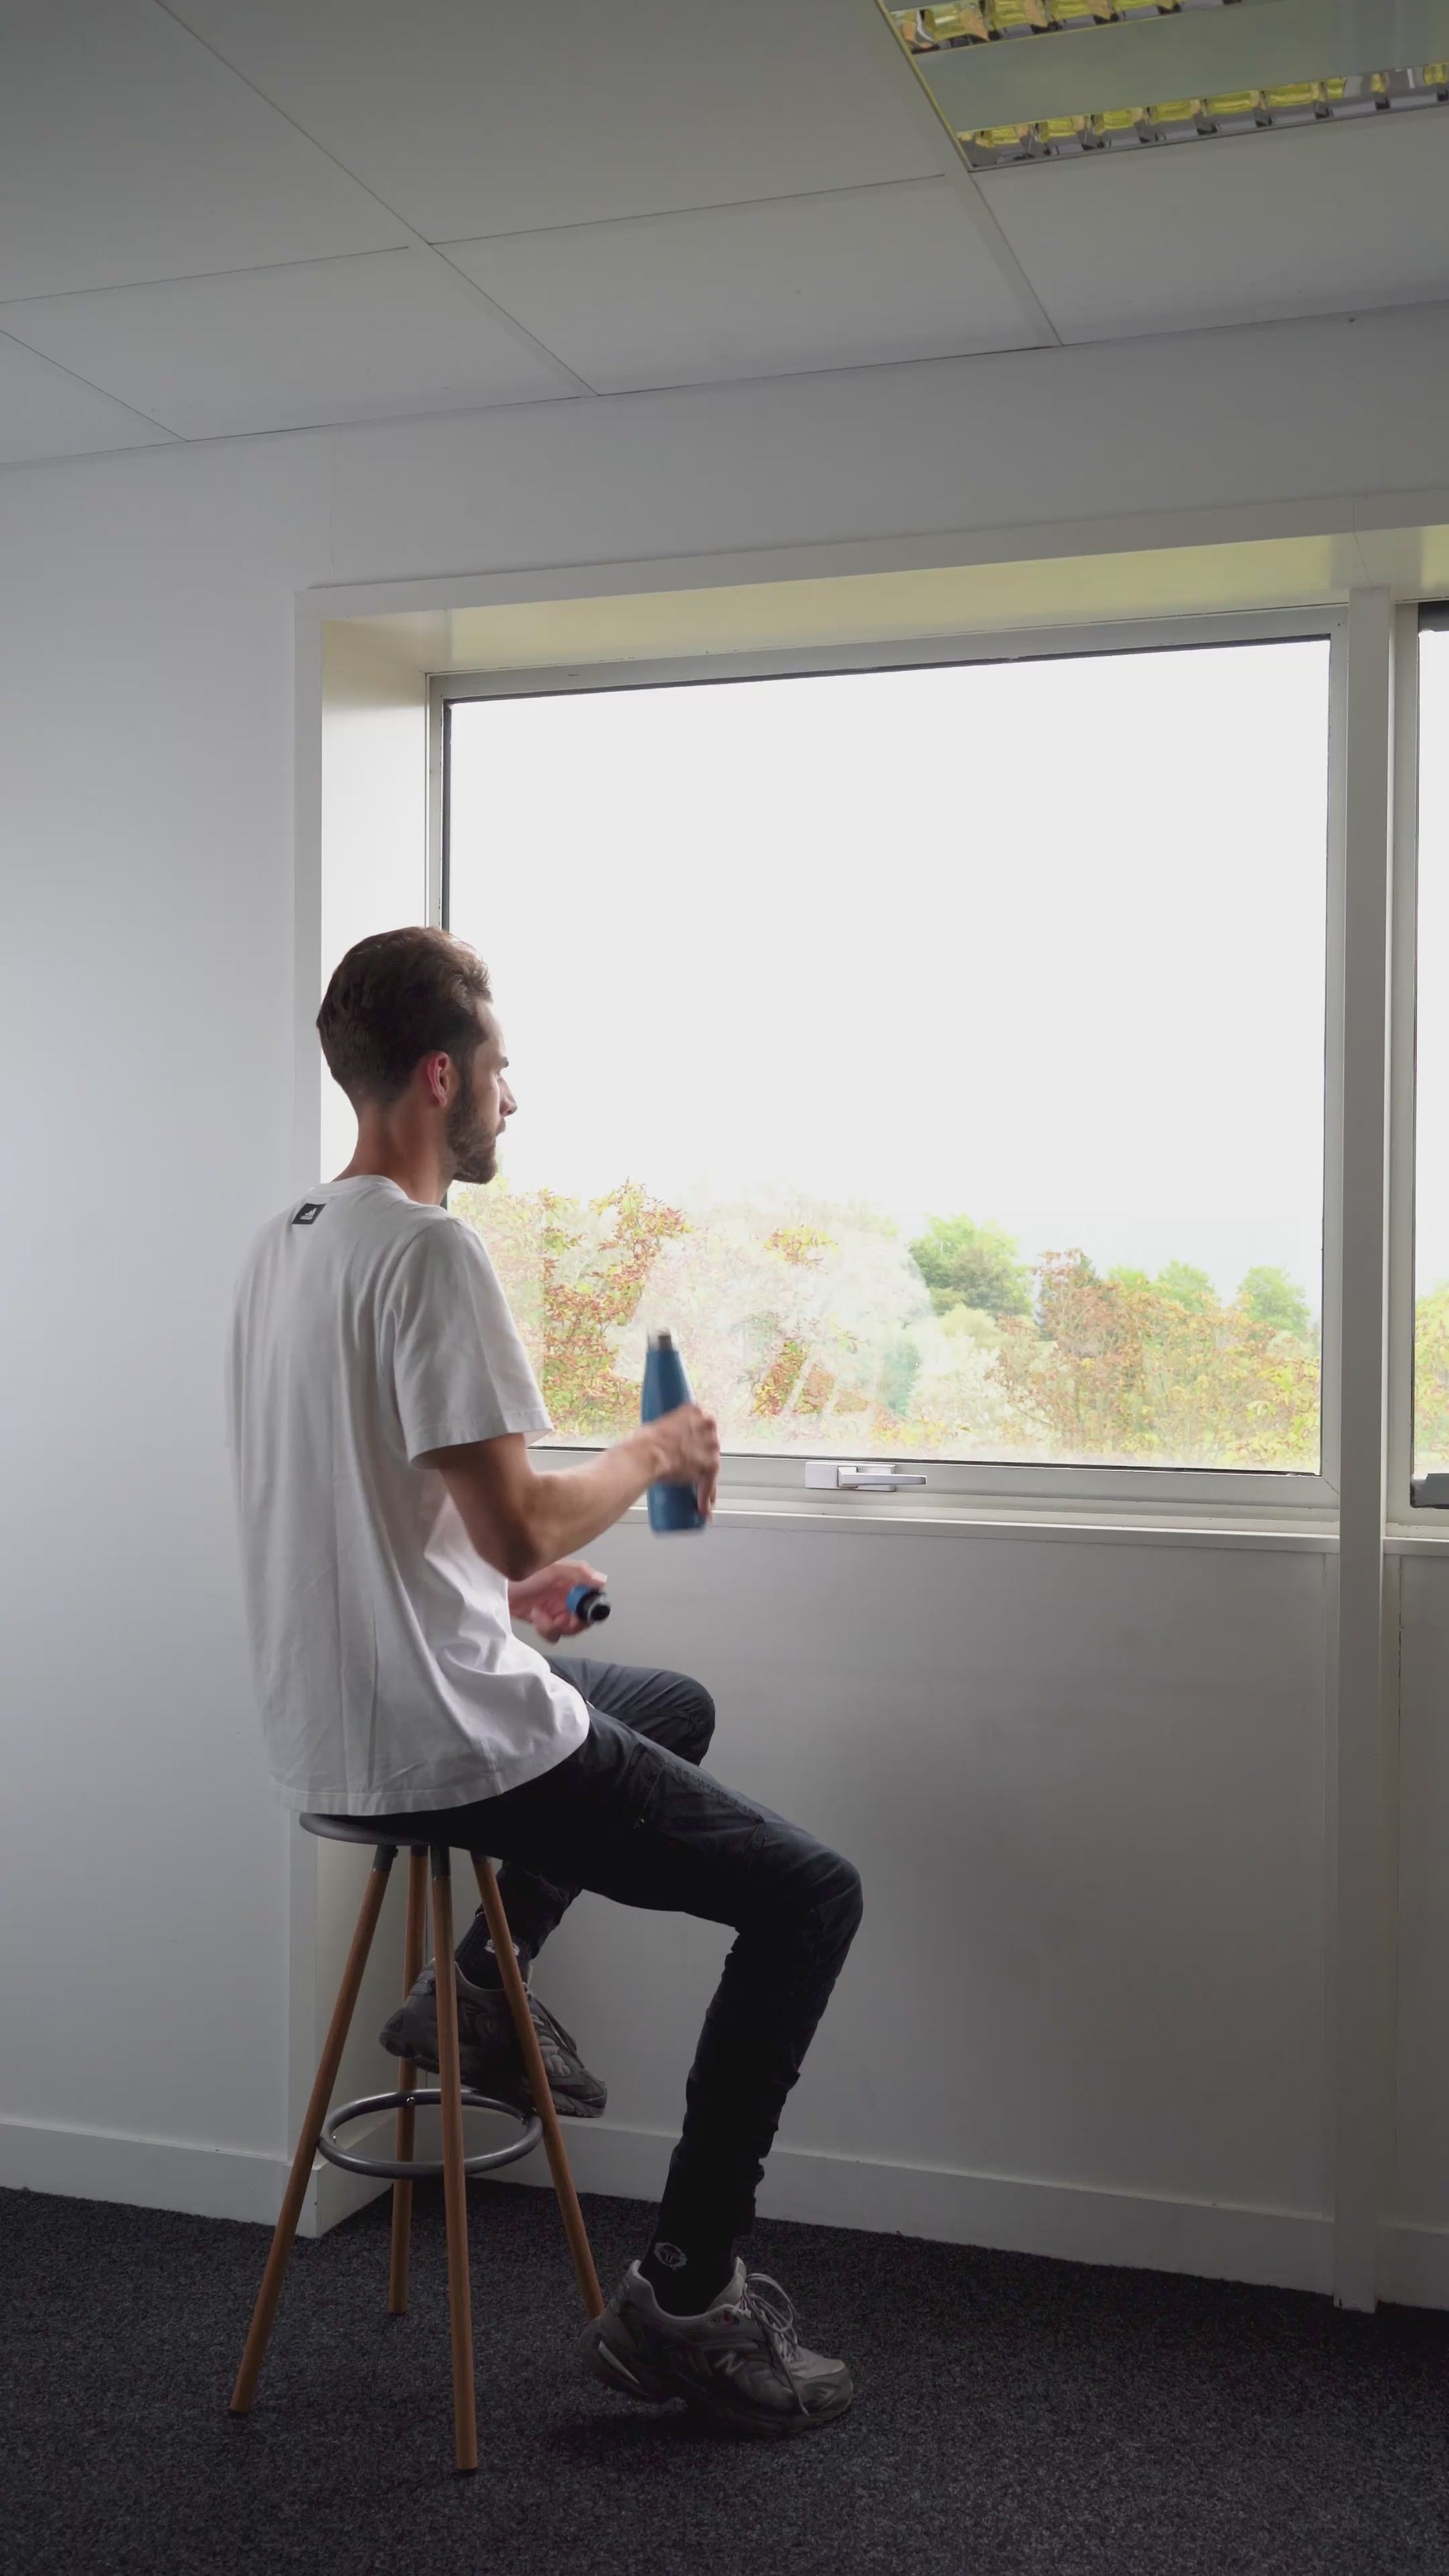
(817, 1329)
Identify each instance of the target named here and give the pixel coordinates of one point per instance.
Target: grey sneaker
(742, 2363)
(490, 2058)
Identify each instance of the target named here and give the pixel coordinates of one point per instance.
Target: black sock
(478, 1960)
(685, 2273)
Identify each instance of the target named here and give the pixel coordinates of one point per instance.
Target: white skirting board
(1413, 2266)
(171, 2173)
(1276, 2247)
(1282, 2249)
(143, 2173)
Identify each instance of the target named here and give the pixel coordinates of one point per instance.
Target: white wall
(1223, 421)
(147, 710)
(1085, 1782)
(1416, 2252)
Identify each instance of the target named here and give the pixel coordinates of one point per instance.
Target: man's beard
(472, 1160)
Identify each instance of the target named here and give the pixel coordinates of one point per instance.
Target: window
(1431, 1116)
(937, 1049)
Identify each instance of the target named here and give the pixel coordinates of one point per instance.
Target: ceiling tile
(1320, 219)
(841, 280)
(472, 119)
(372, 338)
(127, 151)
(45, 412)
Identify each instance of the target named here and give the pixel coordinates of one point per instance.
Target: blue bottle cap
(586, 1601)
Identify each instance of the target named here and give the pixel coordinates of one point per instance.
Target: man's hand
(542, 1598)
(688, 1449)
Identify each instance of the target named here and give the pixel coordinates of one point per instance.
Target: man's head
(408, 1031)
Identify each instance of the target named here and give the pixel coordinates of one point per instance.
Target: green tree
(965, 1264)
(1123, 1372)
(1224, 1392)
(1186, 1287)
(900, 1368)
(1272, 1298)
(1080, 1376)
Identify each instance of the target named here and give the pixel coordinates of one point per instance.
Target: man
(380, 1405)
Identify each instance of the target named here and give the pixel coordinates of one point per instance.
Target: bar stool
(318, 2132)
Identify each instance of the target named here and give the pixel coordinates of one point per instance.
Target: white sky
(1041, 942)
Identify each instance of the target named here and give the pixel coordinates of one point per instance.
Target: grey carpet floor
(1013, 2414)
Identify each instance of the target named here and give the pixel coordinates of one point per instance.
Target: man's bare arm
(521, 1521)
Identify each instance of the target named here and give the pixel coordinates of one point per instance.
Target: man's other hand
(542, 1598)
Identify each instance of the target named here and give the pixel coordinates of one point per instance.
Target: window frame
(1233, 1495)
(1405, 1516)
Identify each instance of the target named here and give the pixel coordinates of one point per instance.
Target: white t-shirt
(369, 1328)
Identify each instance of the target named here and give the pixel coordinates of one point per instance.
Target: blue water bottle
(671, 1507)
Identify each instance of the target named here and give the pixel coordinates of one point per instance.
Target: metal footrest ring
(423, 2098)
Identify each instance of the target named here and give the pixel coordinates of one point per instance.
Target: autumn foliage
(807, 1327)
(1114, 1369)
(573, 1272)
(1431, 1380)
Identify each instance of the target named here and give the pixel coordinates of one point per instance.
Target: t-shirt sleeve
(459, 1370)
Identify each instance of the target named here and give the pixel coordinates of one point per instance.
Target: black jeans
(629, 1815)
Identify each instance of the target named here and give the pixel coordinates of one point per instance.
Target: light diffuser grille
(1032, 35)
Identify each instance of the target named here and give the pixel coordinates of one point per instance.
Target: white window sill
(957, 1515)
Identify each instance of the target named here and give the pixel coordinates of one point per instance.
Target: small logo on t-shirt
(309, 1212)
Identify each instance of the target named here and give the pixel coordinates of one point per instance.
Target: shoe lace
(544, 2022)
(763, 2299)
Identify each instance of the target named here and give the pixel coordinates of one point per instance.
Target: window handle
(857, 1480)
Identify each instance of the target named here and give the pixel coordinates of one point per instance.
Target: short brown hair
(395, 997)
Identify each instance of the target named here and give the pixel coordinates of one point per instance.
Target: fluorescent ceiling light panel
(1033, 80)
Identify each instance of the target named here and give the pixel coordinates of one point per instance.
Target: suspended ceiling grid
(227, 216)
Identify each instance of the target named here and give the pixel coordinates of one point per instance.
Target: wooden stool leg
(286, 2229)
(538, 2085)
(402, 2192)
(455, 2184)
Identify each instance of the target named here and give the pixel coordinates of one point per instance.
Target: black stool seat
(362, 1829)
(354, 1829)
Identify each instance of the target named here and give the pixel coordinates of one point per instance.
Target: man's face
(483, 1101)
